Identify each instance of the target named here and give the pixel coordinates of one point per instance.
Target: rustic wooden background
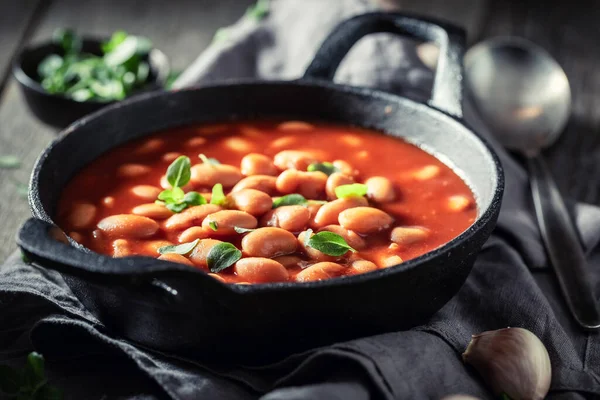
(183, 28)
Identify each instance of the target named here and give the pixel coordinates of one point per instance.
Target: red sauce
(422, 184)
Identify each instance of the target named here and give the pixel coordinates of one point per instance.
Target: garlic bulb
(512, 361)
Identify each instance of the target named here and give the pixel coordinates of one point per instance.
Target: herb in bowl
(121, 69)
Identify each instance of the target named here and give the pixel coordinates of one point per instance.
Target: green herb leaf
(325, 167)
(67, 39)
(241, 230)
(293, 199)
(213, 225)
(210, 161)
(179, 172)
(218, 197)
(174, 195)
(221, 256)
(10, 380)
(48, 392)
(329, 243)
(183, 249)
(122, 53)
(351, 190)
(34, 369)
(176, 207)
(50, 65)
(259, 10)
(9, 162)
(307, 236)
(116, 39)
(194, 199)
(173, 75)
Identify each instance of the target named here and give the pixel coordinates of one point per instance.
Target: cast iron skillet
(175, 308)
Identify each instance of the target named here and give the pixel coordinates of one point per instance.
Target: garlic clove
(513, 361)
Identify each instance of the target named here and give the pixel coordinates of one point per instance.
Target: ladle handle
(562, 245)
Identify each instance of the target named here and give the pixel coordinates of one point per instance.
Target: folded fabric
(510, 284)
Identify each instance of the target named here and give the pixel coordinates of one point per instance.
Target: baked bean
(336, 179)
(82, 215)
(191, 216)
(207, 175)
(226, 220)
(128, 225)
(193, 233)
(283, 142)
(196, 141)
(380, 189)
(459, 203)
(200, 253)
(425, 173)
(365, 220)
(362, 266)
(313, 207)
(108, 201)
(289, 261)
(320, 271)
(132, 170)
(269, 242)
(76, 236)
(257, 164)
(391, 261)
(238, 144)
(405, 235)
(151, 247)
(329, 213)
(352, 140)
(362, 155)
(293, 159)
(290, 218)
(264, 183)
(251, 131)
(309, 184)
(313, 253)
(171, 156)
(121, 248)
(217, 277)
(295, 125)
(146, 192)
(345, 167)
(176, 258)
(150, 146)
(353, 240)
(251, 201)
(152, 210)
(262, 270)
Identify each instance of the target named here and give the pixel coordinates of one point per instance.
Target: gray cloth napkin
(510, 284)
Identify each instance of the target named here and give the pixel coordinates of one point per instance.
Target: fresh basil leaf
(194, 199)
(142, 73)
(351, 190)
(48, 392)
(173, 75)
(122, 53)
(325, 167)
(179, 172)
(218, 197)
(174, 195)
(241, 230)
(176, 207)
(116, 39)
(259, 10)
(35, 367)
(183, 249)
(82, 95)
(329, 243)
(213, 225)
(210, 161)
(10, 380)
(221, 256)
(293, 199)
(9, 162)
(67, 39)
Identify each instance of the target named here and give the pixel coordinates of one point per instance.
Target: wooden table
(183, 28)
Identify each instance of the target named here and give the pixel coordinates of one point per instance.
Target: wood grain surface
(183, 28)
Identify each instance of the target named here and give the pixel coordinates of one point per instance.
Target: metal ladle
(523, 95)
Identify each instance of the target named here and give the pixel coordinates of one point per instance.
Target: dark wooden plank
(569, 32)
(181, 29)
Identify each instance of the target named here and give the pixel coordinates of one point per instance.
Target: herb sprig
(328, 243)
(29, 383)
(222, 256)
(325, 167)
(351, 190)
(182, 249)
(178, 175)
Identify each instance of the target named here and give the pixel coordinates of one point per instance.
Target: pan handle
(447, 87)
(45, 244)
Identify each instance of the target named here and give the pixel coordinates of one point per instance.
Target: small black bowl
(59, 110)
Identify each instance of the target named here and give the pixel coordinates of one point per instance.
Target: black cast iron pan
(178, 309)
